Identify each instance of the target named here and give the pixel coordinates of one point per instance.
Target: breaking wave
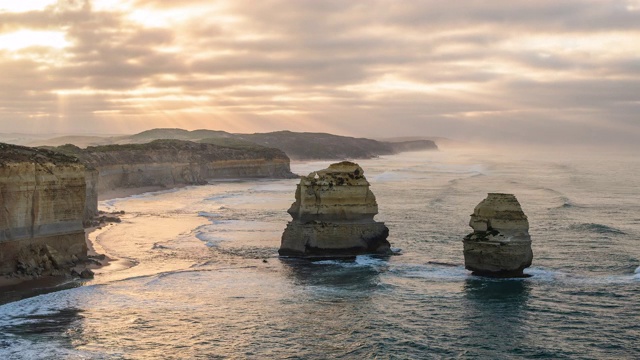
(596, 228)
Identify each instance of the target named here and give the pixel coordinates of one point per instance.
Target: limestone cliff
(42, 199)
(333, 215)
(500, 244)
(168, 163)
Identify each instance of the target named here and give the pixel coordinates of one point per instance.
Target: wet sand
(104, 261)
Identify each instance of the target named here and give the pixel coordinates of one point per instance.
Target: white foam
(637, 271)
(366, 260)
(221, 197)
(209, 239)
(208, 214)
(360, 261)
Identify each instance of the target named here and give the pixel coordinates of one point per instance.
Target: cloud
(540, 71)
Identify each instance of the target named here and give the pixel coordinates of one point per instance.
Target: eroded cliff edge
(333, 216)
(42, 199)
(170, 163)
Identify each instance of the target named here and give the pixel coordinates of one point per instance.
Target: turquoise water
(220, 299)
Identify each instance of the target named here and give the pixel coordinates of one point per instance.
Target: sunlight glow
(390, 83)
(24, 5)
(26, 38)
(604, 45)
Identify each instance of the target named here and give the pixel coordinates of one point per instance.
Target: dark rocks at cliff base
(333, 216)
(43, 197)
(500, 245)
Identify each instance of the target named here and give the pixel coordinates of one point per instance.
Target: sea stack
(500, 245)
(333, 216)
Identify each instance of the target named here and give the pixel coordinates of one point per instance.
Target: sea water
(206, 281)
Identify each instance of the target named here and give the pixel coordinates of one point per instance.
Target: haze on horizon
(540, 72)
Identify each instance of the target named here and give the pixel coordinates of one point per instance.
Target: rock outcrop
(169, 163)
(42, 205)
(333, 216)
(500, 244)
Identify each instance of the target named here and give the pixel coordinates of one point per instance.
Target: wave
(360, 261)
(209, 240)
(208, 214)
(566, 203)
(224, 196)
(596, 228)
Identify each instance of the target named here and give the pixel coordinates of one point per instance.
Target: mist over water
(200, 287)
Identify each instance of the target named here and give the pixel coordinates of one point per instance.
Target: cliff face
(91, 194)
(500, 244)
(42, 199)
(169, 163)
(333, 216)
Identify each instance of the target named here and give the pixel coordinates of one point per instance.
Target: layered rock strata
(169, 163)
(333, 216)
(500, 244)
(42, 205)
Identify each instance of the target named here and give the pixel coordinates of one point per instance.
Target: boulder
(500, 245)
(333, 216)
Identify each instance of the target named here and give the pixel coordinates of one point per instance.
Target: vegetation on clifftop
(297, 145)
(170, 151)
(16, 153)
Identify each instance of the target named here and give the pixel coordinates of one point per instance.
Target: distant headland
(297, 145)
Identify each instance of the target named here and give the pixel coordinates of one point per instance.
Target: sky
(543, 71)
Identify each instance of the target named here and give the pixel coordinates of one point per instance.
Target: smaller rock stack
(500, 245)
(333, 216)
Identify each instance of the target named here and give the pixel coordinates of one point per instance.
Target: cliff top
(10, 154)
(342, 173)
(169, 150)
(297, 145)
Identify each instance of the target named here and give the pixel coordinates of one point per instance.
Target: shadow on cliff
(354, 275)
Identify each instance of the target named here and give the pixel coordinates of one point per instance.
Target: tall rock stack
(500, 244)
(333, 216)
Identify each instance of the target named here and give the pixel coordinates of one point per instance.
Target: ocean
(198, 276)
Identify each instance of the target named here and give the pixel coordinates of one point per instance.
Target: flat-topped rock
(333, 215)
(338, 193)
(500, 244)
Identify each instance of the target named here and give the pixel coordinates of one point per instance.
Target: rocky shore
(43, 197)
(50, 197)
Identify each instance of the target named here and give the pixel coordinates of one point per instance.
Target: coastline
(16, 287)
(126, 192)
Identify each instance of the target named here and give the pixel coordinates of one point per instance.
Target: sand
(138, 246)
